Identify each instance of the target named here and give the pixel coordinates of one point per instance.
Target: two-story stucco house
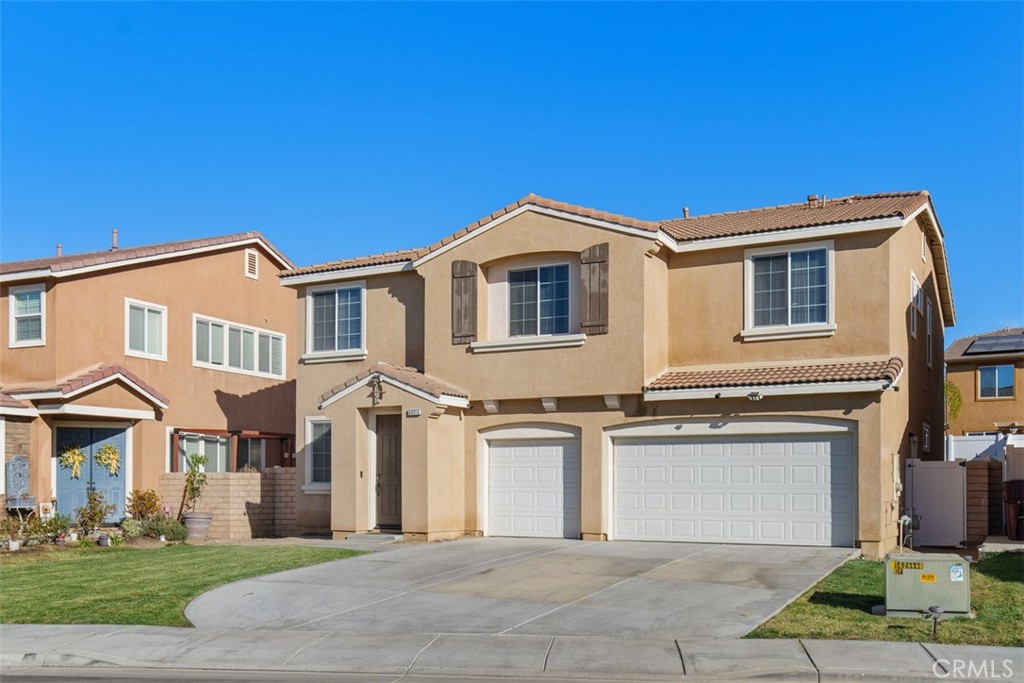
(989, 371)
(159, 350)
(554, 370)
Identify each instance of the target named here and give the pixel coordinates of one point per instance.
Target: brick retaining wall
(243, 504)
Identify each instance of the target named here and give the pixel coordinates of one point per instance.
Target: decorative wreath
(72, 459)
(108, 457)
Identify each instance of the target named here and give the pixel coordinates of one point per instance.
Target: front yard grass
(131, 585)
(839, 607)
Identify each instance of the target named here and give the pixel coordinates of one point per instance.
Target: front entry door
(389, 471)
(72, 491)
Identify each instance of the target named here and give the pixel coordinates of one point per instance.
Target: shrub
(96, 509)
(143, 504)
(130, 527)
(10, 527)
(168, 527)
(58, 526)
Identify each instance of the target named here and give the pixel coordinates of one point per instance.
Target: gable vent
(252, 264)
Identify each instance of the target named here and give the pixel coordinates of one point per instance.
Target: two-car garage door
(789, 490)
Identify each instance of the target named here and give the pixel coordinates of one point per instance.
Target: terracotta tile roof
(768, 376)
(840, 210)
(956, 349)
(408, 255)
(7, 401)
(90, 377)
(66, 262)
(403, 374)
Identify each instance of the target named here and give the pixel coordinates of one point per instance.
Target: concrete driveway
(530, 587)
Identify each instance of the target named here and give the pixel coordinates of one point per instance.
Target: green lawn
(130, 585)
(840, 607)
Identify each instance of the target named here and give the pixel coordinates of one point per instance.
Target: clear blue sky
(345, 129)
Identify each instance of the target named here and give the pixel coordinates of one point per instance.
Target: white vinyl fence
(988, 447)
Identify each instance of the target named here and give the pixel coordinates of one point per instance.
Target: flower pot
(104, 541)
(72, 537)
(197, 523)
(13, 545)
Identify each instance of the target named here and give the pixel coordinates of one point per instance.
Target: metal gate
(937, 496)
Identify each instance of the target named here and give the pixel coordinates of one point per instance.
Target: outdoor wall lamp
(755, 395)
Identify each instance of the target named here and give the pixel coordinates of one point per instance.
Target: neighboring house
(553, 370)
(159, 350)
(989, 371)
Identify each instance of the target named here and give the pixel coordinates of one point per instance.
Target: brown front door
(389, 471)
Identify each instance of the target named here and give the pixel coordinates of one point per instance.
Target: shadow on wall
(268, 410)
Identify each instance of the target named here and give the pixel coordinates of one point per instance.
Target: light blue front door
(72, 491)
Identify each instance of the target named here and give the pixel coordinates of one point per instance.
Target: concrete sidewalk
(27, 647)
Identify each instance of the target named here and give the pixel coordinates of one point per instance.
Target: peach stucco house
(989, 371)
(553, 370)
(157, 350)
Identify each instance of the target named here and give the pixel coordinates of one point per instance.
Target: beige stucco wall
(981, 414)
(85, 322)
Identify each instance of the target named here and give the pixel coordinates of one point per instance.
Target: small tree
(954, 401)
(195, 482)
(95, 511)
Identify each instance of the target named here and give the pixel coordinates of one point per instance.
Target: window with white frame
(789, 289)
(538, 301)
(995, 381)
(27, 322)
(145, 330)
(335, 319)
(926, 437)
(318, 452)
(223, 345)
(215, 448)
(916, 304)
(929, 334)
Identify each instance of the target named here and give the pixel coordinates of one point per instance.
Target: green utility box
(913, 583)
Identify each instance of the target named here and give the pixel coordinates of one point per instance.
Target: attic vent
(252, 264)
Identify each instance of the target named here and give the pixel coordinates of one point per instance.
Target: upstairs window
(335, 320)
(145, 330)
(929, 334)
(221, 345)
(27, 316)
(538, 301)
(789, 290)
(995, 381)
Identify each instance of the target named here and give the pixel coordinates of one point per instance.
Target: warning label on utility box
(927, 578)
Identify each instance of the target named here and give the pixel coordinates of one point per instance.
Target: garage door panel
(786, 490)
(533, 489)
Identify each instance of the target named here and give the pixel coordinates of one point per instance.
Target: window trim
(345, 354)
(916, 297)
(929, 334)
(12, 341)
(128, 351)
(245, 264)
(309, 486)
(1013, 377)
(196, 317)
(790, 330)
(508, 302)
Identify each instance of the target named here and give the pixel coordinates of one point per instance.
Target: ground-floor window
(215, 448)
(251, 452)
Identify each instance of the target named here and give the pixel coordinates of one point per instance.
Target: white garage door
(534, 488)
(796, 490)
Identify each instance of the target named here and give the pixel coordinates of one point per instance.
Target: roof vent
(812, 199)
(113, 240)
(60, 249)
(686, 212)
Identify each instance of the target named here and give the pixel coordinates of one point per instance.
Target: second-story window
(789, 291)
(221, 345)
(995, 381)
(145, 330)
(335, 319)
(27, 306)
(538, 301)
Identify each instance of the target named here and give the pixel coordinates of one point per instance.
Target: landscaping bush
(169, 528)
(96, 509)
(144, 505)
(131, 528)
(58, 526)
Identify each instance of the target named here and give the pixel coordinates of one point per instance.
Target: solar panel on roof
(1003, 343)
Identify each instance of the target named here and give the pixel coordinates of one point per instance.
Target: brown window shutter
(463, 302)
(594, 289)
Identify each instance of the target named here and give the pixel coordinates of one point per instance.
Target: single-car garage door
(534, 488)
(789, 490)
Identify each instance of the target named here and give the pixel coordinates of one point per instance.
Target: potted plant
(11, 529)
(197, 523)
